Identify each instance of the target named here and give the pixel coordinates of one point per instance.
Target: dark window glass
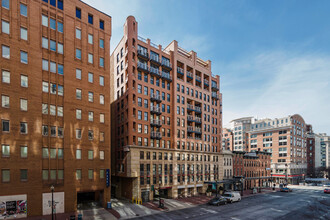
(60, 4)
(101, 24)
(53, 3)
(90, 19)
(78, 13)
(45, 1)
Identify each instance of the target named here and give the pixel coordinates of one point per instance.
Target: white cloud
(277, 84)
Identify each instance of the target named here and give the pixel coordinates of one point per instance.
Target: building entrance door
(145, 195)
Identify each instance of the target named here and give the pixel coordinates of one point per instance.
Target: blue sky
(273, 57)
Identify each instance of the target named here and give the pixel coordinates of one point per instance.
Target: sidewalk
(124, 209)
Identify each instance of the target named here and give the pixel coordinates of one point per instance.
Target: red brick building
(168, 119)
(253, 167)
(55, 112)
(227, 139)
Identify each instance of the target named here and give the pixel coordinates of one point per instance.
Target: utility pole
(52, 189)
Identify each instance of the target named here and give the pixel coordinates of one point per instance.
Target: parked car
(218, 201)
(232, 196)
(286, 189)
(327, 191)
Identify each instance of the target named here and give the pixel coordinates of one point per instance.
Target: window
(60, 48)
(44, 20)
(5, 125)
(90, 97)
(102, 99)
(23, 104)
(5, 150)
(5, 4)
(90, 135)
(101, 24)
(52, 110)
(23, 10)
(45, 65)
(5, 27)
(44, 130)
(78, 113)
(24, 81)
(24, 33)
(24, 128)
(78, 53)
(90, 18)
(78, 73)
(53, 88)
(101, 80)
(90, 116)
(78, 13)
(60, 27)
(78, 154)
(90, 174)
(5, 176)
(101, 118)
(101, 155)
(53, 3)
(5, 52)
(53, 45)
(90, 38)
(78, 33)
(101, 62)
(60, 174)
(52, 23)
(60, 69)
(78, 133)
(78, 174)
(102, 43)
(45, 153)
(53, 174)
(101, 173)
(24, 151)
(90, 58)
(60, 111)
(60, 133)
(44, 43)
(78, 94)
(45, 87)
(101, 136)
(90, 155)
(24, 57)
(52, 153)
(90, 77)
(5, 101)
(5, 76)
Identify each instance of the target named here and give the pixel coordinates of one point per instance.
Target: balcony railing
(166, 76)
(154, 58)
(180, 70)
(166, 64)
(194, 119)
(143, 66)
(198, 78)
(156, 135)
(190, 74)
(156, 122)
(155, 109)
(154, 71)
(215, 95)
(215, 87)
(194, 108)
(194, 129)
(155, 97)
(143, 53)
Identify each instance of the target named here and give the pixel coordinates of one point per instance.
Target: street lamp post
(286, 174)
(52, 189)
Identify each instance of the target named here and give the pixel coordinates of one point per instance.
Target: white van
(232, 196)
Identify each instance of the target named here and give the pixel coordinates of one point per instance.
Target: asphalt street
(302, 203)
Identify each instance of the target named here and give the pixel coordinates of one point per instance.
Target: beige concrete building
(286, 139)
(168, 119)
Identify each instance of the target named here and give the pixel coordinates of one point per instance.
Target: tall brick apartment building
(168, 118)
(55, 111)
(286, 139)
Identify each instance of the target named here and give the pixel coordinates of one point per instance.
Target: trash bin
(80, 217)
(108, 205)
